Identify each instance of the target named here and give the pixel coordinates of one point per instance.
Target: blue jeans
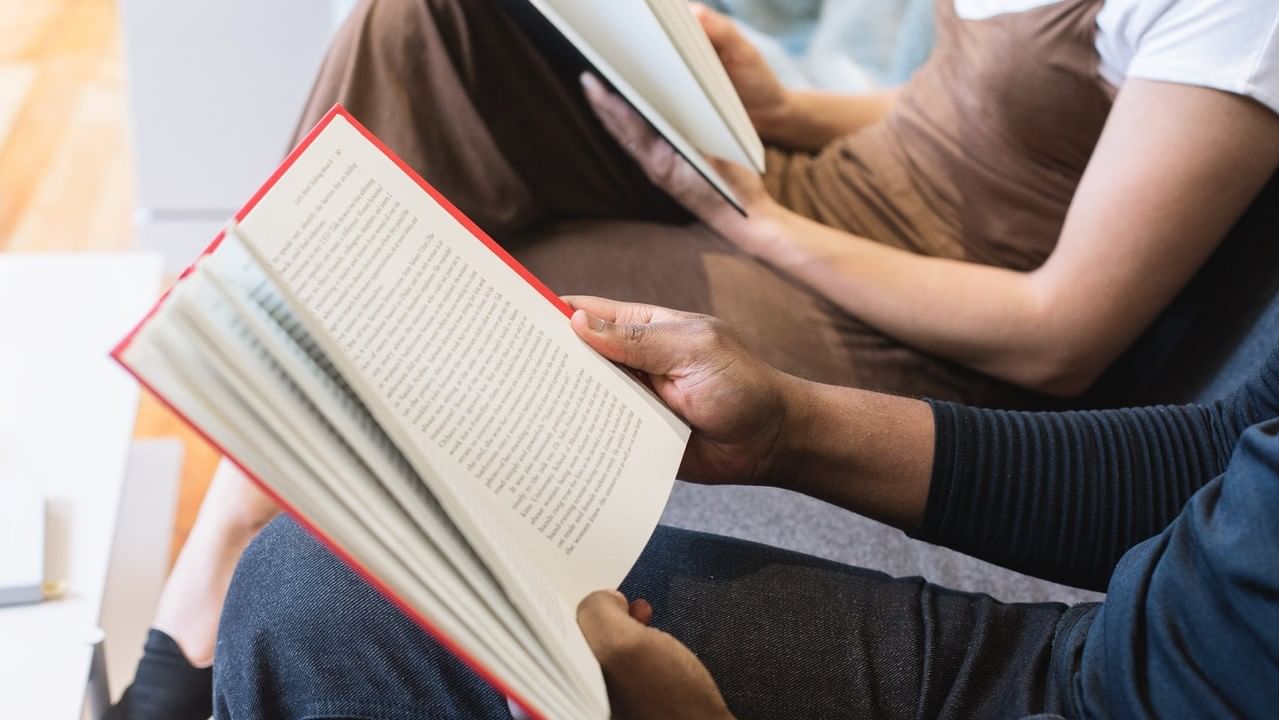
(784, 635)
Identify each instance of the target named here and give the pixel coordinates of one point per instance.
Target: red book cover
(118, 354)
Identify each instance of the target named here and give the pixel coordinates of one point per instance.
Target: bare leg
(233, 512)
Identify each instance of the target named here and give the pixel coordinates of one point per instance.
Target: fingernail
(595, 324)
(589, 83)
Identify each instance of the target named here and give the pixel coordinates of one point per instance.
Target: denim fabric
(1190, 627)
(785, 635)
(301, 636)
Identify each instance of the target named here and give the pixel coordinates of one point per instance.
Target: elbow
(1062, 374)
(1063, 349)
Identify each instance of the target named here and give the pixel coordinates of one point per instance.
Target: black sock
(166, 686)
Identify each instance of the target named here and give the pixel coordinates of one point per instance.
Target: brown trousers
(456, 89)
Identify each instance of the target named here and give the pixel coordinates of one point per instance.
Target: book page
(696, 49)
(547, 455)
(261, 424)
(393, 492)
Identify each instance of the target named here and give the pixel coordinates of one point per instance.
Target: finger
(661, 348)
(625, 312)
(619, 118)
(594, 89)
(610, 310)
(641, 611)
(611, 109)
(718, 28)
(712, 22)
(606, 623)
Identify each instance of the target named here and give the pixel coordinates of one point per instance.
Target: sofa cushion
(1218, 330)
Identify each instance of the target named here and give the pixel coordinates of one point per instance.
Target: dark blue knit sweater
(1174, 511)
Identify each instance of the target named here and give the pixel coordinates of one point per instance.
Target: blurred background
(143, 124)
(130, 130)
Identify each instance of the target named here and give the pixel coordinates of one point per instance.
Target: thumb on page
(649, 673)
(606, 623)
(654, 348)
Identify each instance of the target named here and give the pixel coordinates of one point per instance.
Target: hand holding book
(736, 406)
(733, 401)
(752, 424)
(766, 100)
(796, 119)
(428, 409)
(650, 674)
(670, 170)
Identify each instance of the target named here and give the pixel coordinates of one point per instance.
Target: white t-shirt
(1230, 45)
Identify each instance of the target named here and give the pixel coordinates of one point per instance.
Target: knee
(302, 634)
(284, 580)
(291, 609)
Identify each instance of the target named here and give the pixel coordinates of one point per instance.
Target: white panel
(179, 240)
(139, 555)
(215, 91)
(66, 421)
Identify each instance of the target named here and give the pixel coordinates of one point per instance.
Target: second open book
(421, 403)
(654, 54)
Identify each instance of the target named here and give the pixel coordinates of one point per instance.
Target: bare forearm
(991, 319)
(810, 119)
(1139, 226)
(863, 451)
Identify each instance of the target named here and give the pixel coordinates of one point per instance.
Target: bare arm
(863, 451)
(1016, 488)
(810, 119)
(1175, 166)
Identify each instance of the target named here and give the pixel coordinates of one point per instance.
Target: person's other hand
(670, 172)
(649, 673)
(736, 404)
(766, 100)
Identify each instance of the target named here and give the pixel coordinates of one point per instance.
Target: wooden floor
(65, 176)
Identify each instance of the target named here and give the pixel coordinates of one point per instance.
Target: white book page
(696, 49)
(629, 36)
(554, 463)
(263, 430)
(390, 490)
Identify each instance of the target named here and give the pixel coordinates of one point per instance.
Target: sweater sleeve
(1063, 496)
(1190, 626)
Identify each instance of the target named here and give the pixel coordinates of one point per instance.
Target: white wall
(215, 90)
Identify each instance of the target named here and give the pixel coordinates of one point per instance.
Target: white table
(66, 421)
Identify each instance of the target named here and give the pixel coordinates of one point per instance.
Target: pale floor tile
(16, 80)
(83, 198)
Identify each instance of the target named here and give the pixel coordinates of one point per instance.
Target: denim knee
(303, 636)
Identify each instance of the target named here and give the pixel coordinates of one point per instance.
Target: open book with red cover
(419, 401)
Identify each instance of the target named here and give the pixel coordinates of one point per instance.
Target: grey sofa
(1212, 338)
